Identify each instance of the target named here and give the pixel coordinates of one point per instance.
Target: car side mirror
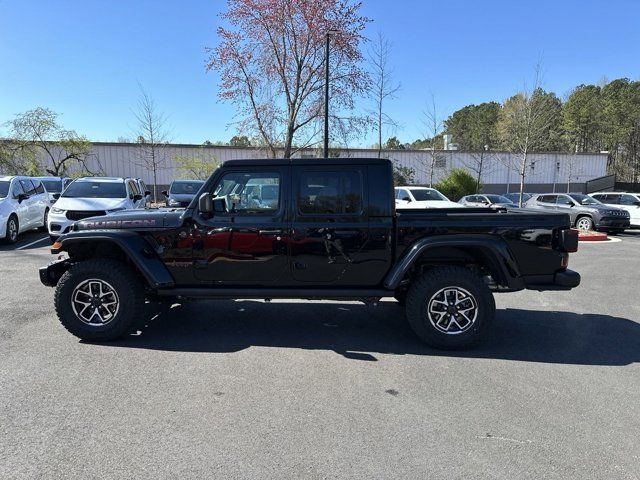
(137, 197)
(406, 199)
(219, 205)
(637, 204)
(165, 193)
(22, 196)
(147, 193)
(57, 196)
(205, 204)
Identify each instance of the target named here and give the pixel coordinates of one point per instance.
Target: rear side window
(547, 198)
(330, 193)
(16, 189)
(28, 187)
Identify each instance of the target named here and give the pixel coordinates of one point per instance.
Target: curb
(594, 237)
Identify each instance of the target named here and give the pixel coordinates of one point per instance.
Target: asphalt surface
(245, 389)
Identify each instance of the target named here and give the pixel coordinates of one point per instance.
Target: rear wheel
(43, 228)
(11, 235)
(450, 307)
(99, 299)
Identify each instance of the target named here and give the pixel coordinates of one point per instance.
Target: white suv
(92, 197)
(626, 201)
(24, 205)
(422, 197)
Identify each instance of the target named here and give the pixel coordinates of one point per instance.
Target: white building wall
(121, 159)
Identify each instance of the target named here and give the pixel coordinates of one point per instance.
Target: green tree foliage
(39, 131)
(197, 168)
(240, 141)
(403, 175)
(393, 144)
(456, 184)
(583, 119)
(474, 126)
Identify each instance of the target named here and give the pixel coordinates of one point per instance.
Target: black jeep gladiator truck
(308, 229)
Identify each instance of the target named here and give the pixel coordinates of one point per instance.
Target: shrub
(456, 184)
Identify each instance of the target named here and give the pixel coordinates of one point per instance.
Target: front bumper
(50, 274)
(614, 222)
(58, 224)
(560, 280)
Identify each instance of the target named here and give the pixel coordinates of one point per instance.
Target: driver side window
(16, 189)
(249, 193)
(562, 200)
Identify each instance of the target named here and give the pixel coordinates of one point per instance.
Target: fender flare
(134, 246)
(494, 249)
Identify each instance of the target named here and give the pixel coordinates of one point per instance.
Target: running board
(291, 293)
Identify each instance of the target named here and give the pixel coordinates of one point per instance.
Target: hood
(182, 197)
(134, 219)
(67, 203)
(430, 204)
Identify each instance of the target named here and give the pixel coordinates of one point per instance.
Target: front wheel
(11, 235)
(450, 308)
(584, 223)
(99, 299)
(43, 228)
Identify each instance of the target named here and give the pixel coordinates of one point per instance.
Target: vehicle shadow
(360, 332)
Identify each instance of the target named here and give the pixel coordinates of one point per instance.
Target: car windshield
(4, 188)
(52, 186)
(498, 199)
(185, 188)
(585, 199)
(422, 195)
(89, 189)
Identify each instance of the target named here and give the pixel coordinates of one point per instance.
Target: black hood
(134, 219)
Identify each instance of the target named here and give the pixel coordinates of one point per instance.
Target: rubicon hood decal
(100, 224)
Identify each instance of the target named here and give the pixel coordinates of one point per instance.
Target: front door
(329, 230)
(247, 243)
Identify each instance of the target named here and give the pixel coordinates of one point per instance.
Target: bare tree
(480, 163)
(572, 168)
(524, 126)
(433, 125)
(383, 87)
(152, 137)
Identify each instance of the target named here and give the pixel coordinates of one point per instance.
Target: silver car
(586, 212)
(481, 200)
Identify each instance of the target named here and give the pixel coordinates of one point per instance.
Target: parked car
(626, 201)
(422, 197)
(482, 200)
(515, 197)
(181, 192)
(91, 197)
(586, 213)
(24, 205)
(144, 190)
(54, 186)
(331, 232)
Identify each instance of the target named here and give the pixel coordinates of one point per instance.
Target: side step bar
(304, 293)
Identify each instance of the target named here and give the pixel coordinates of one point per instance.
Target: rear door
(547, 202)
(330, 225)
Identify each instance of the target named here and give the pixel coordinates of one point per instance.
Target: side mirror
(57, 196)
(164, 192)
(205, 204)
(137, 197)
(147, 193)
(22, 196)
(219, 205)
(406, 199)
(637, 204)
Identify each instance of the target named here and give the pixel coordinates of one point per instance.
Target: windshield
(52, 186)
(88, 189)
(4, 188)
(185, 188)
(498, 199)
(422, 195)
(585, 199)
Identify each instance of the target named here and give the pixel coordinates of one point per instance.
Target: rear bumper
(560, 280)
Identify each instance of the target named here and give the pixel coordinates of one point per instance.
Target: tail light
(569, 240)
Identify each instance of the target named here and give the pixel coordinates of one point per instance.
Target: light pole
(326, 92)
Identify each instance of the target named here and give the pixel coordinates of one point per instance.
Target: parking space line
(32, 243)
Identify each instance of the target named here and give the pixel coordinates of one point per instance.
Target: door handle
(273, 231)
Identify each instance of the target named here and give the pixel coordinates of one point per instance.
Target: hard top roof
(277, 162)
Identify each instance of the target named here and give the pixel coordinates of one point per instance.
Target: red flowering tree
(271, 64)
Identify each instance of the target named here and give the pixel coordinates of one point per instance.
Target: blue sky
(84, 58)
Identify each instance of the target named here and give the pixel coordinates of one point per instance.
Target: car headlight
(57, 210)
(116, 210)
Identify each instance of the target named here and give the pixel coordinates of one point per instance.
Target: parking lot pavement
(27, 240)
(288, 389)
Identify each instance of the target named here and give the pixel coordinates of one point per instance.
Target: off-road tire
(428, 285)
(124, 281)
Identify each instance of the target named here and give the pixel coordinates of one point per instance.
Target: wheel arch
(486, 252)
